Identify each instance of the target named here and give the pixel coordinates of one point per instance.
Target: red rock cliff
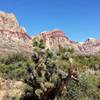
(13, 38)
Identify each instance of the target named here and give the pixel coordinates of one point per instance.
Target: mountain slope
(12, 37)
(57, 37)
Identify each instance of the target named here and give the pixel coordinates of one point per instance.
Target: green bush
(86, 89)
(15, 66)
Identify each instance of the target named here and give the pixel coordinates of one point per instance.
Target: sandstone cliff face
(54, 39)
(57, 37)
(90, 46)
(12, 37)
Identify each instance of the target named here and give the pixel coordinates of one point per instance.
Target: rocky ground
(10, 89)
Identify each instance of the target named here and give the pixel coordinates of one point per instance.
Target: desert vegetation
(54, 76)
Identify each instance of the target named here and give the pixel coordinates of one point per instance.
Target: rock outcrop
(90, 46)
(12, 37)
(9, 89)
(54, 39)
(57, 38)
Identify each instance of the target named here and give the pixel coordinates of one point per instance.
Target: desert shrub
(15, 58)
(89, 86)
(49, 68)
(72, 92)
(86, 89)
(15, 98)
(15, 66)
(85, 62)
(95, 66)
(12, 71)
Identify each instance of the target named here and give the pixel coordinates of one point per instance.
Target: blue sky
(79, 19)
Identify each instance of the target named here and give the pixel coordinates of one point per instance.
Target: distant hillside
(57, 38)
(14, 39)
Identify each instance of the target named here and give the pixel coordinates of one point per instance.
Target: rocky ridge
(54, 38)
(14, 39)
(90, 46)
(57, 37)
